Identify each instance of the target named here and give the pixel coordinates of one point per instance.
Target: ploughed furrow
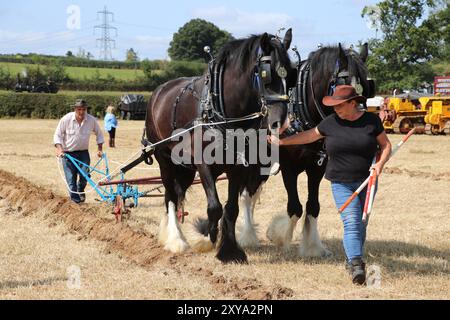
(137, 246)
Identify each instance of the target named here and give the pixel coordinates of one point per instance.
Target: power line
(106, 40)
(145, 26)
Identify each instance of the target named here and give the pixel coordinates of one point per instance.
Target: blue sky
(147, 26)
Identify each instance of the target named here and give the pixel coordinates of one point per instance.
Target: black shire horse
(248, 77)
(317, 77)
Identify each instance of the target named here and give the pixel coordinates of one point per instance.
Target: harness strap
(189, 86)
(316, 104)
(300, 104)
(304, 75)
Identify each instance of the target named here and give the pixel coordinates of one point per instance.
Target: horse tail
(201, 225)
(197, 236)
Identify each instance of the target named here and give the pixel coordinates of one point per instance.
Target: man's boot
(111, 143)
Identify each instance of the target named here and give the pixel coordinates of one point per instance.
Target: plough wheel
(118, 208)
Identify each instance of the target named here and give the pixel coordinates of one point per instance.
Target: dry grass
(408, 236)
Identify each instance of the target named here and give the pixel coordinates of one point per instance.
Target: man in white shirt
(72, 137)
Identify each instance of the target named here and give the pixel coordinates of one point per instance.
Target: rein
(211, 108)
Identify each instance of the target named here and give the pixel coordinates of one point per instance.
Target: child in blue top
(111, 125)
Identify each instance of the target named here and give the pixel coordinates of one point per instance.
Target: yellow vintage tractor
(438, 118)
(402, 113)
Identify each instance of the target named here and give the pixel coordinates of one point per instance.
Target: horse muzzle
(278, 128)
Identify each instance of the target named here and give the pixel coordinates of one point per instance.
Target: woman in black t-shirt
(352, 138)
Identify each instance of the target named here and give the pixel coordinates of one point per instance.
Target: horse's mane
(240, 52)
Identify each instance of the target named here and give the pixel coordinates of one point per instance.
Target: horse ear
(364, 53)
(287, 39)
(342, 56)
(265, 42)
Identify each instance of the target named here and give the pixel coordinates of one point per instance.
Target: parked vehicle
(438, 118)
(26, 85)
(132, 107)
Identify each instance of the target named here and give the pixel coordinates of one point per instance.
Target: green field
(80, 72)
(441, 68)
(100, 93)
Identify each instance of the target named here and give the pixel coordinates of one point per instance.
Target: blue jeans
(354, 227)
(74, 179)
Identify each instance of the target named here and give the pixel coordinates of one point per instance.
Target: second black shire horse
(249, 76)
(324, 69)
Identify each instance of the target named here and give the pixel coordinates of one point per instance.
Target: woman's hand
(274, 140)
(386, 149)
(378, 167)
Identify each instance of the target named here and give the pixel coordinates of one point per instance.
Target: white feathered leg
(310, 244)
(162, 234)
(248, 237)
(281, 229)
(175, 241)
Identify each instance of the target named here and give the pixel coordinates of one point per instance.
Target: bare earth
(43, 236)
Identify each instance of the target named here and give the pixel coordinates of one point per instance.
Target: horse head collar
(342, 76)
(264, 77)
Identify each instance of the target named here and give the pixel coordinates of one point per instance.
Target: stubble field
(43, 237)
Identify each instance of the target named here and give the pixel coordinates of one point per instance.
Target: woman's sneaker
(357, 270)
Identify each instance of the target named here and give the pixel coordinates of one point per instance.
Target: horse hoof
(238, 256)
(327, 253)
(177, 246)
(249, 242)
(314, 252)
(248, 239)
(201, 244)
(280, 231)
(198, 241)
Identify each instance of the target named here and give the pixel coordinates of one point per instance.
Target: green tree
(81, 53)
(400, 57)
(6, 80)
(189, 41)
(56, 72)
(35, 74)
(132, 55)
(440, 18)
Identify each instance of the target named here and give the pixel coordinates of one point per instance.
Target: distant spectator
(111, 125)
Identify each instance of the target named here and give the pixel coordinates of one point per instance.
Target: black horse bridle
(262, 76)
(338, 77)
(341, 78)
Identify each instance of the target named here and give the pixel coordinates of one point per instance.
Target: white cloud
(31, 37)
(44, 42)
(151, 41)
(22, 37)
(152, 47)
(241, 23)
